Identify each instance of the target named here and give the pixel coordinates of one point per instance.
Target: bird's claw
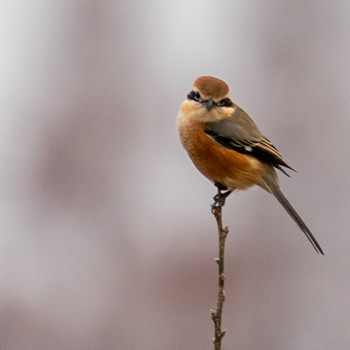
(220, 198)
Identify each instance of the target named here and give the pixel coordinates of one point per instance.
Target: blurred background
(106, 239)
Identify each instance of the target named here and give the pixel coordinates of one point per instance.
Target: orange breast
(219, 164)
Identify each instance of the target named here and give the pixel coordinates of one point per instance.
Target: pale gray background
(107, 241)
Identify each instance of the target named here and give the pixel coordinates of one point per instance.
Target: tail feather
(276, 191)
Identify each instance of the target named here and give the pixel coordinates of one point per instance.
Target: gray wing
(240, 133)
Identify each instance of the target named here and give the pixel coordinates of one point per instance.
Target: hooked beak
(209, 104)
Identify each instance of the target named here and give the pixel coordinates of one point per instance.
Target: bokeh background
(106, 239)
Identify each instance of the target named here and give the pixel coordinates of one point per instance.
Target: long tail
(276, 191)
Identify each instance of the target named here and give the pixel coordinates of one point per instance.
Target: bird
(228, 148)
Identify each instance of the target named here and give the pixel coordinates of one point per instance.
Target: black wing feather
(262, 149)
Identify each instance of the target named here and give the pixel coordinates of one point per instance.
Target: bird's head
(208, 101)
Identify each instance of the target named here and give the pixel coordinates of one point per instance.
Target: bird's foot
(220, 198)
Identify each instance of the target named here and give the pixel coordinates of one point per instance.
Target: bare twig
(216, 315)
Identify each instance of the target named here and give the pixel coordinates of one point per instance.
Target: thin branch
(216, 315)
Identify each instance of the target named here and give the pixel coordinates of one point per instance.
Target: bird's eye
(225, 102)
(197, 96)
(194, 95)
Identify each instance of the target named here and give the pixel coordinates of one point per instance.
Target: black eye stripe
(226, 102)
(194, 95)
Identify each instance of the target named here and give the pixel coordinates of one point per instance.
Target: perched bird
(227, 147)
